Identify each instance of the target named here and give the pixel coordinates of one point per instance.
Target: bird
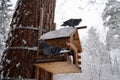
(72, 22)
(51, 50)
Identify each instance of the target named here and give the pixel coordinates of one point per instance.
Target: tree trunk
(18, 58)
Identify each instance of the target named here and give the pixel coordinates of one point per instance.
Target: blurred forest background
(100, 41)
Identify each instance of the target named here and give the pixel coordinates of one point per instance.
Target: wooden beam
(41, 23)
(40, 27)
(39, 34)
(81, 27)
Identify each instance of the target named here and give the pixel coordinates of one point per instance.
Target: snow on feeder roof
(61, 33)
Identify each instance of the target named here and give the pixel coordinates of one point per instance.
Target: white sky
(13, 2)
(87, 10)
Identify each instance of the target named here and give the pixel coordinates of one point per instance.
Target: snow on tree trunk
(21, 46)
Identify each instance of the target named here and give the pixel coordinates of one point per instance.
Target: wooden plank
(54, 58)
(61, 42)
(77, 42)
(59, 67)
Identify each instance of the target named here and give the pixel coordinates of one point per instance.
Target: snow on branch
(30, 28)
(27, 48)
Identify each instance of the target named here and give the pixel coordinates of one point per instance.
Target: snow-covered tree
(95, 58)
(4, 22)
(111, 17)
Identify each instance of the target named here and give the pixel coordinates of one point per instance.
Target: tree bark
(21, 46)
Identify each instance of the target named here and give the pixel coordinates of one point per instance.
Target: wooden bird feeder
(57, 64)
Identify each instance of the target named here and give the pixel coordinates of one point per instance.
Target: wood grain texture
(59, 67)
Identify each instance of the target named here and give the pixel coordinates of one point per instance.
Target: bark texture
(18, 58)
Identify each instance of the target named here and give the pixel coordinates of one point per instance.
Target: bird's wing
(46, 51)
(55, 50)
(51, 50)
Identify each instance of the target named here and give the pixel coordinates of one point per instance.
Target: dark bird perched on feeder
(51, 50)
(72, 22)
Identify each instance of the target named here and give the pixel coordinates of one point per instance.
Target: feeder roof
(61, 33)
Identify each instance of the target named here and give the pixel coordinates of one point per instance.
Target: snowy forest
(100, 41)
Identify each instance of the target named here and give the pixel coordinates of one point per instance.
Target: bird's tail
(69, 52)
(63, 25)
(64, 50)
